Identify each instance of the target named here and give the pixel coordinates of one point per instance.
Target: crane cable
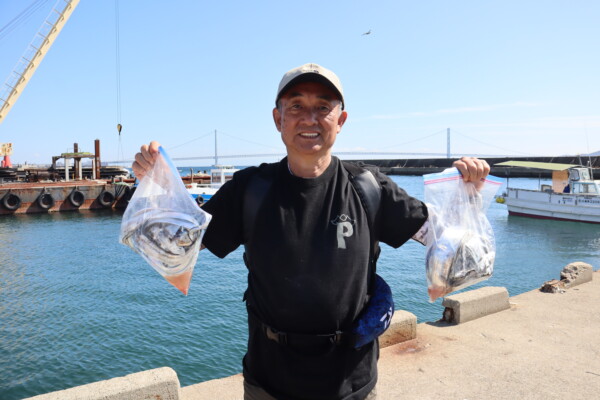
(21, 18)
(118, 77)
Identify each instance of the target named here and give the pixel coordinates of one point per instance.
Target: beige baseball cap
(310, 73)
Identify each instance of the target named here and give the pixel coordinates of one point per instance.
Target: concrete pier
(544, 346)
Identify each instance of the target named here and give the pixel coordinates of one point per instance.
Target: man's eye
(324, 109)
(295, 107)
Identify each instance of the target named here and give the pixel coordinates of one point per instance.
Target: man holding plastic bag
(311, 248)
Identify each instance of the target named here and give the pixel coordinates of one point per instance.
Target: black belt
(299, 339)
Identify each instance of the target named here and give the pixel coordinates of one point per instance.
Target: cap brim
(310, 77)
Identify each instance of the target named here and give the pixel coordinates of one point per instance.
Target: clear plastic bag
(163, 224)
(460, 246)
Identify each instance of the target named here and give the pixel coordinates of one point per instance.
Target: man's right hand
(144, 160)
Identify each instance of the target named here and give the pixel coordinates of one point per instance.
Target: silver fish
(459, 258)
(167, 240)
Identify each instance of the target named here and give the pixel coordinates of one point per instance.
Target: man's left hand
(473, 170)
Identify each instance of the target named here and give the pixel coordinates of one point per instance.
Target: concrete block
(160, 383)
(553, 286)
(474, 304)
(576, 273)
(402, 328)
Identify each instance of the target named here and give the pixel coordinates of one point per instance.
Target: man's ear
(341, 120)
(277, 118)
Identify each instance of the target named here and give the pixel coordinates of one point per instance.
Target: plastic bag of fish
(460, 241)
(163, 224)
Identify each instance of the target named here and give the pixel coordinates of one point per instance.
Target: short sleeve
(225, 231)
(401, 215)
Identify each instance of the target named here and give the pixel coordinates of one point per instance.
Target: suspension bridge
(363, 154)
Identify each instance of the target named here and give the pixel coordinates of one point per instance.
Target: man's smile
(310, 135)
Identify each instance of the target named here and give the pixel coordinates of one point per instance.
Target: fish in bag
(164, 225)
(461, 246)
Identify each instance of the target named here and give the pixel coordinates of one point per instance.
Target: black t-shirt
(308, 259)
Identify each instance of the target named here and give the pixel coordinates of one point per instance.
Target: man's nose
(310, 115)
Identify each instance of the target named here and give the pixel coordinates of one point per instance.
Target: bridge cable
(491, 145)
(190, 141)
(249, 141)
(416, 140)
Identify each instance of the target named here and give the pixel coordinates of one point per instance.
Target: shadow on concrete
(440, 324)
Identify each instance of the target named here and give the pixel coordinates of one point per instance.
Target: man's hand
(473, 170)
(144, 160)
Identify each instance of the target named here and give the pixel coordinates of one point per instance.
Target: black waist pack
(375, 318)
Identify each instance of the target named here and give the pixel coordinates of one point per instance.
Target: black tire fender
(76, 198)
(11, 201)
(45, 200)
(106, 198)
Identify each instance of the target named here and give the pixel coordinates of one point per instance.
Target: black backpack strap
(368, 189)
(254, 196)
(369, 192)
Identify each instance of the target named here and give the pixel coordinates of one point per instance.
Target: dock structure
(39, 191)
(43, 197)
(536, 345)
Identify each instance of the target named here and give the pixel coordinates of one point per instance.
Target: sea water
(78, 307)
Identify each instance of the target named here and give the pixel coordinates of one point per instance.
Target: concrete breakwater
(536, 345)
(422, 166)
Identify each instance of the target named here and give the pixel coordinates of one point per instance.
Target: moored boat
(219, 174)
(573, 196)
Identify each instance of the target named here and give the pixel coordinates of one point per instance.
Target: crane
(30, 61)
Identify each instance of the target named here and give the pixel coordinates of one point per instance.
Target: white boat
(219, 174)
(573, 196)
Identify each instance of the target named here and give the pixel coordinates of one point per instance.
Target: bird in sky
(367, 33)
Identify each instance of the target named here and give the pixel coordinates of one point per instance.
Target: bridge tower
(448, 143)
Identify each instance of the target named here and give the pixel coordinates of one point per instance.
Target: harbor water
(78, 307)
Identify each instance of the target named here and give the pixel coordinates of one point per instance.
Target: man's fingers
(472, 169)
(153, 148)
(138, 171)
(144, 160)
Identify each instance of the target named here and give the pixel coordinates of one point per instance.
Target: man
(306, 278)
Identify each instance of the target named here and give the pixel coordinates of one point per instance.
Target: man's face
(309, 118)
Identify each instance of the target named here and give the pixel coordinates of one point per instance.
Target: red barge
(42, 190)
(42, 197)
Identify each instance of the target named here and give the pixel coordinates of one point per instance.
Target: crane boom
(34, 54)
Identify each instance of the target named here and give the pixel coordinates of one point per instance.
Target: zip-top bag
(460, 246)
(163, 224)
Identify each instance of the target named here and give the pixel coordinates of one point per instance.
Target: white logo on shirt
(344, 229)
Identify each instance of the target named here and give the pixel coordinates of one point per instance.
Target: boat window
(577, 174)
(585, 174)
(585, 188)
(574, 174)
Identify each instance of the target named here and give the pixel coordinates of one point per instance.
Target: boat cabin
(220, 174)
(566, 178)
(581, 182)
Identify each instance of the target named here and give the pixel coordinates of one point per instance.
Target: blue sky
(507, 77)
